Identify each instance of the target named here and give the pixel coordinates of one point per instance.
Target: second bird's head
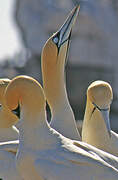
(100, 96)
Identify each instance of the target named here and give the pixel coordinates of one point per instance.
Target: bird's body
(8, 138)
(7, 161)
(43, 152)
(7, 166)
(96, 126)
(61, 159)
(9, 146)
(10, 133)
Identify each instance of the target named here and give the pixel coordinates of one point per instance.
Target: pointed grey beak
(65, 31)
(105, 115)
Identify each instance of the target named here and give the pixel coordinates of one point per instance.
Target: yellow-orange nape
(100, 93)
(96, 125)
(53, 60)
(20, 92)
(7, 118)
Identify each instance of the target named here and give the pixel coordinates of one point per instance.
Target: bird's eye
(0, 106)
(55, 40)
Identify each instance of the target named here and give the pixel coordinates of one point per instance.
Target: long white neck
(34, 131)
(63, 119)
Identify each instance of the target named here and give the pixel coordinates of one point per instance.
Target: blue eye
(55, 40)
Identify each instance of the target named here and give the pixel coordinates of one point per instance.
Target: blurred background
(25, 25)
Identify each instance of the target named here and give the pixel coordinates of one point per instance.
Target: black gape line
(100, 109)
(92, 112)
(97, 107)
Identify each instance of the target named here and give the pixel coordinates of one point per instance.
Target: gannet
(43, 152)
(10, 133)
(54, 55)
(8, 138)
(96, 125)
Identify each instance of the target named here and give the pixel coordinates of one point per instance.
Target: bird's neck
(63, 120)
(35, 131)
(94, 130)
(56, 95)
(54, 86)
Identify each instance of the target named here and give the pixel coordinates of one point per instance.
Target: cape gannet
(96, 125)
(10, 133)
(54, 55)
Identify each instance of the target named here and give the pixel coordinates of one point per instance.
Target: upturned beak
(65, 30)
(105, 115)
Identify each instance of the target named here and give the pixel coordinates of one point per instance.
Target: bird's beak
(105, 115)
(65, 30)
